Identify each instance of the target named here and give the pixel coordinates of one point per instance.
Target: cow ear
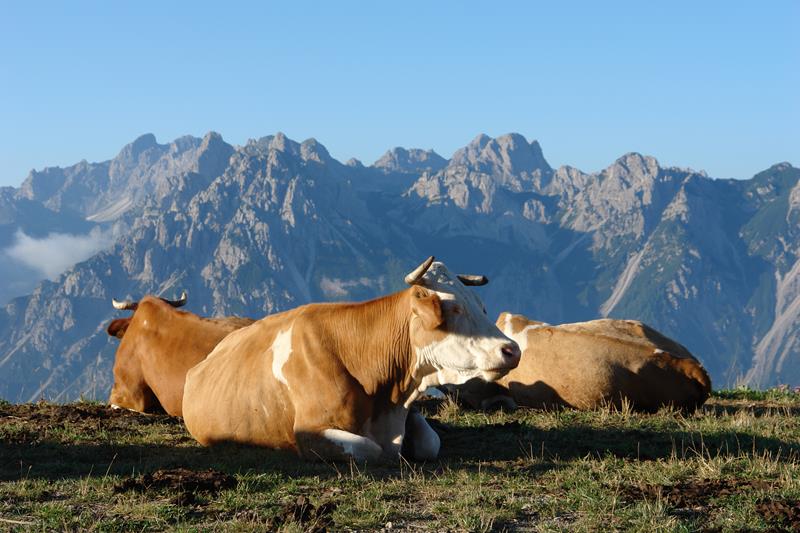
(118, 327)
(428, 307)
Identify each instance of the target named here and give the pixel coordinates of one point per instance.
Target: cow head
(453, 338)
(118, 327)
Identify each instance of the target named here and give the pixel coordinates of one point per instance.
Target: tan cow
(335, 381)
(159, 344)
(589, 364)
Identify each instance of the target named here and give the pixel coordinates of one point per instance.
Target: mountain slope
(270, 225)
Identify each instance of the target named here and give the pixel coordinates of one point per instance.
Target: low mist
(55, 253)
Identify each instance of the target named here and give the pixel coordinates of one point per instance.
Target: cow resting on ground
(590, 364)
(159, 344)
(335, 381)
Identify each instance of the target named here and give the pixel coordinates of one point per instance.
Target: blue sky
(709, 85)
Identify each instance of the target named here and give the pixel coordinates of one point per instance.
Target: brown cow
(159, 344)
(589, 364)
(335, 381)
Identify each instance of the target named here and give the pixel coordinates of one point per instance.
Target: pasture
(733, 465)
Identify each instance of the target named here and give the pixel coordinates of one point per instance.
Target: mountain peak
(507, 154)
(212, 136)
(142, 143)
(144, 146)
(511, 139)
(281, 143)
(636, 164)
(214, 154)
(410, 160)
(313, 150)
(783, 165)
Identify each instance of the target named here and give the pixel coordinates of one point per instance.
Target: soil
(186, 484)
(301, 511)
(783, 512)
(694, 494)
(37, 419)
(694, 497)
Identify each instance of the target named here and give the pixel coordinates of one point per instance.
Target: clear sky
(710, 85)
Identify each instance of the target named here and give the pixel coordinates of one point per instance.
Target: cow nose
(511, 354)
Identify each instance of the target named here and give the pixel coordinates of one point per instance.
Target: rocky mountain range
(259, 228)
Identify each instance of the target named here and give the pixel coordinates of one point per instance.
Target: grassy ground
(732, 466)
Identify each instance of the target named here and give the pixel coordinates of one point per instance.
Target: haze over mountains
(273, 224)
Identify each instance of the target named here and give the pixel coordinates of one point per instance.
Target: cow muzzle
(505, 359)
(510, 354)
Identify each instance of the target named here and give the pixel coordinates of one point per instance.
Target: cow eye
(484, 311)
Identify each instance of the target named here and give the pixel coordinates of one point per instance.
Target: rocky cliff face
(274, 224)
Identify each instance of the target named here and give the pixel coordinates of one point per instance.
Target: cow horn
(473, 280)
(179, 302)
(125, 305)
(413, 277)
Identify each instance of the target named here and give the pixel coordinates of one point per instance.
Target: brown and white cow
(159, 344)
(335, 381)
(589, 364)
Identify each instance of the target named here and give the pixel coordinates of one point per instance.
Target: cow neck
(383, 359)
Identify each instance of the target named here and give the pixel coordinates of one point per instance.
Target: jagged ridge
(275, 223)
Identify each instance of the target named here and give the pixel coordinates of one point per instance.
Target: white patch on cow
(426, 442)
(358, 447)
(522, 336)
(508, 327)
(388, 429)
(115, 406)
(459, 358)
(281, 350)
(658, 351)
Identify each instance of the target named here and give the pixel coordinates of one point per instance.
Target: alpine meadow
(399, 266)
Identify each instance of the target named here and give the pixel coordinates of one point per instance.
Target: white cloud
(55, 253)
(338, 288)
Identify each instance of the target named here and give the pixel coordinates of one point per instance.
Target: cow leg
(337, 444)
(139, 398)
(421, 442)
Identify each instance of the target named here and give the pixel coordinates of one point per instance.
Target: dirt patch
(783, 512)
(54, 413)
(695, 495)
(31, 423)
(317, 518)
(186, 484)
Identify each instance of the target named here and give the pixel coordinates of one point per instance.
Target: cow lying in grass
(159, 344)
(335, 381)
(591, 364)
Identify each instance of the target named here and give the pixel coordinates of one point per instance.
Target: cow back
(159, 345)
(588, 364)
